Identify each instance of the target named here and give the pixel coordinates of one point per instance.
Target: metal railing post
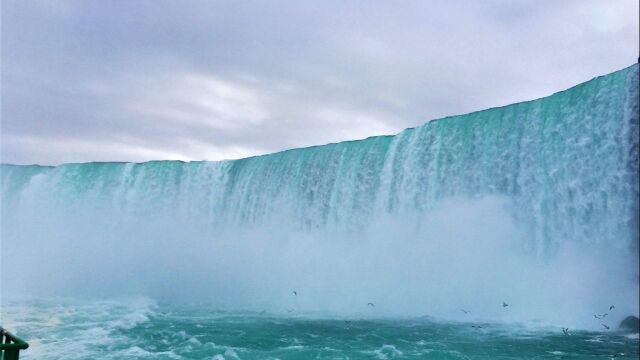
(10, 345)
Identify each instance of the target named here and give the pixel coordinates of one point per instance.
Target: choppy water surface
(142, 329)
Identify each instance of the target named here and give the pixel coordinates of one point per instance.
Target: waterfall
(504, 200)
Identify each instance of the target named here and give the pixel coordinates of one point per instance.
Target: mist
(465, 253)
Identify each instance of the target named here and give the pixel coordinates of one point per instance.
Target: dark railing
(10, 345)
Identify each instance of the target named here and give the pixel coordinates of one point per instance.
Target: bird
(465, 311)
(596, 316)
(606, 327)
(295, 293)
(611, 307)
(371, 304)
(604, 315)
(565, 331)
(289, 310)
(504, 304)
(476, 326)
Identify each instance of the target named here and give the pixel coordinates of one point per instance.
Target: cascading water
(534, 203)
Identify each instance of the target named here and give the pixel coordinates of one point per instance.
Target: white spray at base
(534, 204)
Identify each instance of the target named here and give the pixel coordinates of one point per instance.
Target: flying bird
(596, 316)
(476, 326)
(606, 327)
(611, 307)
(371, 304)
(289, 310)
(504, 304)
(295, 293)
(565, 331)
(465, 311)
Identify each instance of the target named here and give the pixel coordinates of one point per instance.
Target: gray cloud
(142, 80)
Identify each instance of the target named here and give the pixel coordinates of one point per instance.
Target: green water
(142, 329)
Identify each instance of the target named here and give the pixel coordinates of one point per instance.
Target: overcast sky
(211, 80)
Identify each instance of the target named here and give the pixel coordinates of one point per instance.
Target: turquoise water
(534, 204)
(142, 329)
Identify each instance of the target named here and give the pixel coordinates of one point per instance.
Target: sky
(212, 80)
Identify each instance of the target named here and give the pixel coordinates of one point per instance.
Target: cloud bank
(211, 80)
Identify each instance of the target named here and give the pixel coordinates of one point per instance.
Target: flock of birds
(597, 316)
(565, 331)
(466, 312)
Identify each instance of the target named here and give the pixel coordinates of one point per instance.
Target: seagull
(295, 293)
(465, 311)
(504, 304)
(289, 310)
(371, 304)
(611, 307)
(596, 316)
(604, 315)
(565, 331)
(605, 326)
(476, 326)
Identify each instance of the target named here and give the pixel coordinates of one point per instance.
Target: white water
(535, 204)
